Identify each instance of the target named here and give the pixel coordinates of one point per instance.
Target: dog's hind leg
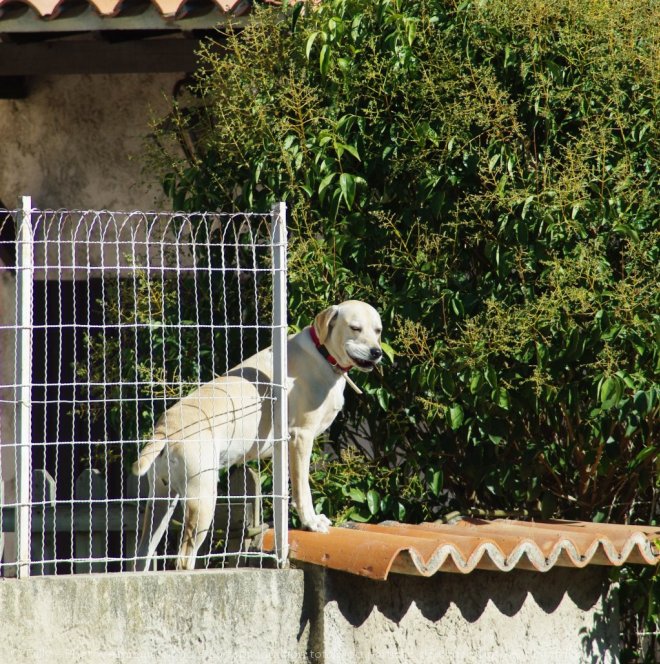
(156, 519)
(198, 518)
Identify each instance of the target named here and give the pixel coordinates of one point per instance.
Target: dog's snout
(376, 353)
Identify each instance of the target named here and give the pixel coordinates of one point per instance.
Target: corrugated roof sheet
(376, 550)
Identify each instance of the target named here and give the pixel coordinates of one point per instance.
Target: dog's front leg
(300, 454)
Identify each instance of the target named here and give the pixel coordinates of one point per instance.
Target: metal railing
(107, 320)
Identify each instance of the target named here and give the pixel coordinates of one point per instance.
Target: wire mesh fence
(117, 331)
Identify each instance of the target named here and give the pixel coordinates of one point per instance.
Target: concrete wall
(293, 616)
(77, 141)
(237, 617)
(560, 617)
(73, 142)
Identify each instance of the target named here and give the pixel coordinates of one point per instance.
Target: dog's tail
(148, 455)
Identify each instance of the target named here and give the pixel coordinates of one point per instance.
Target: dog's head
(351, 333)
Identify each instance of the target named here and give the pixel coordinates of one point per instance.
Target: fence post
(280, 414)
(43, 543)
(24, 277)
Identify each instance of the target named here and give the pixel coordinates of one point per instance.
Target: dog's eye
(356, 328)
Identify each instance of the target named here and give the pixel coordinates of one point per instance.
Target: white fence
(107, 320)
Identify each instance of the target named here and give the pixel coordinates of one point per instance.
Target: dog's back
(232, 411)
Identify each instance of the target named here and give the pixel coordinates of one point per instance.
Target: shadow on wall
(570, 612)
(593, 645)
(357, 597)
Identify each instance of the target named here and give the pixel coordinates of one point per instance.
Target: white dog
(229, 421)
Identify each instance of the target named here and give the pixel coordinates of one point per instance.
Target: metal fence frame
(25, 274)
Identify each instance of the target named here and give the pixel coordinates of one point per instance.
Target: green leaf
(310, 43)
(501, 398)
(388, 350)
(347, 187)
(610, 392)
(528, 201)
(501, 185)
(355, 515)
(476, 381)
(627, 231)
(351, 149)
(436, 482)
(411, 30)
(447, 383)
(373, 501)
(324, 59)
(456, 416)
(344, 64)
(457, 306)
(493, 162)
(325, 182)
(295, 15)
(335, 203)
(357, 494)
(383, 397)
(491, 376)
(650, 451)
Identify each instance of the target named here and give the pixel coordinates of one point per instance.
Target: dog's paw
(319, 523)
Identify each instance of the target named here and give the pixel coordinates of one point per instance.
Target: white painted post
(42, 550)
(24, 277)
(280, 410)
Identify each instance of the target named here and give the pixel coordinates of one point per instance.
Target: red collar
(324, 351)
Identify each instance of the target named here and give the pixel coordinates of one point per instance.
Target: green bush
(486, 174)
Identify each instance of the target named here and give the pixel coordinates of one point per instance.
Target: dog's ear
(324, 321)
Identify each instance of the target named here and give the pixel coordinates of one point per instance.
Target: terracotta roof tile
(41, 7)
(106, 7)
(376, 550)
(51, 9)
